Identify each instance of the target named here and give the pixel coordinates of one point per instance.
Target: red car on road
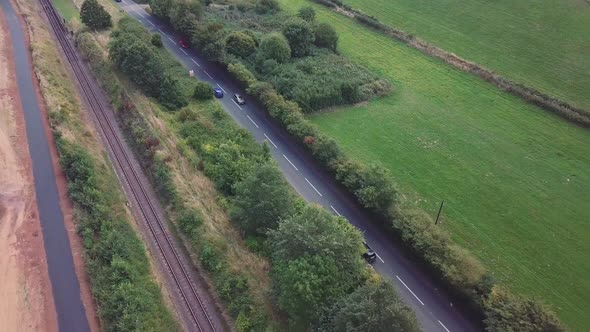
(182, 43)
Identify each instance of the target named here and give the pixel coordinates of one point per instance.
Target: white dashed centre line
(196, 63)
(161, 30)
(271, 142)
(172, 40)
(240, 107)
(221, 88)
(314, 188)
(183, 51)
(336, 211)
(443, 325)
(249, 118)
(381, 259)
(295, 167)
(150, 22)
(206, 73)
(417, 298)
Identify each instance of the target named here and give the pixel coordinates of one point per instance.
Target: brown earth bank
(35, 27)
(26, 299)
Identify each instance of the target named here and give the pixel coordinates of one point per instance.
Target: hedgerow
(127, 297)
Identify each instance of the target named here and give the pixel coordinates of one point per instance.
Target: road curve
(192, 300)
(433, 307)
(71, 315)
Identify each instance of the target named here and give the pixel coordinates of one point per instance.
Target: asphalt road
(71, 315)
(433, 308)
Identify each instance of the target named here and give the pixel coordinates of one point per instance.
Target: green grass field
(515, 178)
(541, 43)
(66, 9)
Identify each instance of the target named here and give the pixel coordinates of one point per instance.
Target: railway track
(181, 277)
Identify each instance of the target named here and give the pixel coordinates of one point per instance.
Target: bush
(240, 44)
(506, 312)
(275, 47)
(203, 91)
(326, 36)
(307, 14)
(300, 36)
(94, 15)
(157, 40)
(241, 73)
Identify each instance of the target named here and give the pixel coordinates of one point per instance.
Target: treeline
(528, 94)
(298, 57)
(127, 297)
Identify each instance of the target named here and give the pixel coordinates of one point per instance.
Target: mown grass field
(515, 178)
(66, 9)
(541, 43)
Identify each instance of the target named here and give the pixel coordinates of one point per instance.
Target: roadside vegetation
(458, 270)
(179, 148)
(124, 289)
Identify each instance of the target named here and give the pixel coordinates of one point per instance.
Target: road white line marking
(249, 118)
(417, 298)
(150, 22)
(295, 167)
(336, 211)
(172, 40)
(271, 142)
(221, 88)
(237, 104)
(196, 63)
(443, 325)
(183, 51)
(206, 73)
(314, 188)
(381, 259)
(160, 30)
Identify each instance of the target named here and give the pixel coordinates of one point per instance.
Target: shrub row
(456, 268)
(127, 297)
(230, 286)
(577, 115)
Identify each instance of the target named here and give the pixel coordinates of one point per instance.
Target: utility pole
(439, 211)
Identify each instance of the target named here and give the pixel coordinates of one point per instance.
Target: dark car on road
(182, 43)
(218, 92)
(239, 99)
(370, 256)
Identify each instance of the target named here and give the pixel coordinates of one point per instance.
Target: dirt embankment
(26, 300)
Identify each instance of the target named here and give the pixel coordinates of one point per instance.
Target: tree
(507, 312)
(377, 191)
(203, 91)
(171, 95)
(372, 307)
(316, 260)
(275, 47)
(262, 199)
(94, 15)
(326, 36)
(307, 14)
(240, 44)
(161, 8)
(157, 40)
(184, 16)
(300, 36)
(209, 38)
